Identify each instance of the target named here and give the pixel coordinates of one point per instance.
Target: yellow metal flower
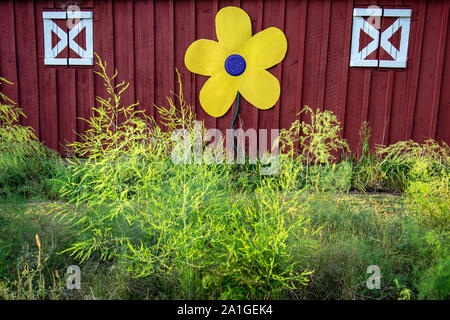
(237, 62)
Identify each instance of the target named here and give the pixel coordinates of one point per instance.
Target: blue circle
(235, 65)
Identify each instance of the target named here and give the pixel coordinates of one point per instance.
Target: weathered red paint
(146, 41)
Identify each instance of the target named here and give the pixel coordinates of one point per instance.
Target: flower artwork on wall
(237, 63)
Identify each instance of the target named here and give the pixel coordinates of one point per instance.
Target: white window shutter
(400, 56)
(50, 52)
(67, 39)
(86, 56)
(358, 58)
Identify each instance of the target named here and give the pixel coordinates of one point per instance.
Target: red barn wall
(146, 41)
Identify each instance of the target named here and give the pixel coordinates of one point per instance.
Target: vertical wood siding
(146, 41)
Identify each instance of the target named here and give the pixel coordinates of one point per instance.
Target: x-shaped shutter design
(358, 58)
(68, 38)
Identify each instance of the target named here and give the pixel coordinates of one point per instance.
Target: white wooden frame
(50, 53)
(358, 58)
(400, 56)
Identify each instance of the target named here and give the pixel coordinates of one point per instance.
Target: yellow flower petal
(265, 49)
(205, 57)
(218, 94)
(233, 28)
(259, 87)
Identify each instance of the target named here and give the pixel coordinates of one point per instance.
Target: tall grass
(178, 223)
(25, 164)
(222, 231)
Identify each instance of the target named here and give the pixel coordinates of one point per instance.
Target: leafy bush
(429, 198)
(425, 180)
(25, 164)
(309, 152)
(200, 231)
(402, 160)
(178, 223)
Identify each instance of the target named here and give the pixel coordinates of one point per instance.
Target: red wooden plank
(27, 63)
(84, 97)
(67, 106)
(144, 55)
(66, 96)
(353, 113)
(290, 65)
(343, 86)
(313, 44)
(366, 95)
(301, 56)
(184, 36)
(8, 62)
(164, 52)
(336, 64)
(380, 93)
(442, 127)
(103, 42)
(377, 105)
(321, 81)
(439, 69)
(48, 111)
(427, 73)
(388, 107)
(415, 68)
(357, 101)
(402, 83)
(393, 77)
(124, 50)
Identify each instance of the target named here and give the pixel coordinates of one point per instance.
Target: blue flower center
(235, 65)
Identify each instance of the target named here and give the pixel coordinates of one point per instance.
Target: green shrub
(25, 164)
(368, 173)
(435, 281)
(178, 223)
(308, 152)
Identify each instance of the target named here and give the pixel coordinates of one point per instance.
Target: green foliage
(309, 152)
(115, 127)
(402, 160)
(426, 172)
(429, 197)
(30, 267)
(367, 173)
(31, 282)
(161, 220)
(25, 163)
(317, 140)
(128, 215)
(435, 282)
(363, 230)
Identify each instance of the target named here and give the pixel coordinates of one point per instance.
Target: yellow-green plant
(113, 126)
(425, 172)
(176, 222)
(307, 148)
(317, 140)
(368, 174)
(30, 282)
(24, 162)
